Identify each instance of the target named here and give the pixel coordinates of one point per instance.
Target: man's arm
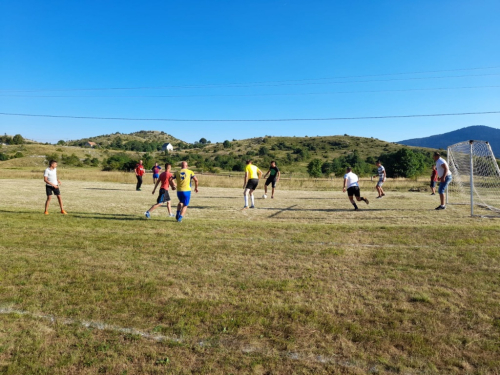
(259, 173)
(195, 184)
(278, 176)
(172, 182)
(245, 180)
(269, 171)
(343, 189)
(445, 172)
(385, 176)
(156, 185)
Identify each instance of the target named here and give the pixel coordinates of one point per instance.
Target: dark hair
(378, 162)
(273, 161)
(348, 169)
(167, 164)
(437, 154)
(248, 161)
(52, 162)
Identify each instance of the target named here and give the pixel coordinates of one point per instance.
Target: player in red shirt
(139, 172)
(434, 178)
(166, 180)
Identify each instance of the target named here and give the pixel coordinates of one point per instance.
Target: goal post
(476, 175)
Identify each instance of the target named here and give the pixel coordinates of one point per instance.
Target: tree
(263, 150)
(18, 139)
(203, 141)
(227, 144)
(61, 143)
(314, 168)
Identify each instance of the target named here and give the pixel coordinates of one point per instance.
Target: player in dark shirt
(274, 177)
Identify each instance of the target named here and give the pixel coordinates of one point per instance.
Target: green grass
(296, 286)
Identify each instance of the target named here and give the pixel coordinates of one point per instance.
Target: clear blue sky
(50, 48)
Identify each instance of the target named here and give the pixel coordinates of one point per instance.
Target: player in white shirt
(52, 186)
(351, 183)
(444, 178)
(381, 179)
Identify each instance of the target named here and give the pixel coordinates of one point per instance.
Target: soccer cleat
(433, 194)
(179, 219)
(379, 197)
(356, 209)
(64, 212)
(367, 201)
(147, 214)
(171, 215)
(252, 206)
(272, 197)
(244, 208)
(441, 208)
(383, 194)
(46, 213)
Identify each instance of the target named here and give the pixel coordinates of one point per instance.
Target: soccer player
(184, 178)
(52, 186)
(274, 176)
(434, 178)
(156, 172)
(252, 176)
(381, 179)
(351, 182)
(444, 176)
(139, 172)
(166, 180)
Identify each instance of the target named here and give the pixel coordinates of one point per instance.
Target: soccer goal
(476, 176)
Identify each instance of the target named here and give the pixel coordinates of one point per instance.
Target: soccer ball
(264, 196)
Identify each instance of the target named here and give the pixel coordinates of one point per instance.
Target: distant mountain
(143, 135)
(442, 141)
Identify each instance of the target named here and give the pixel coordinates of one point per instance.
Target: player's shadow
(101, 216)
(106, 189)
(220, 197)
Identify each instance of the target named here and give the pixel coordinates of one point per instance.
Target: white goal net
(476, 175)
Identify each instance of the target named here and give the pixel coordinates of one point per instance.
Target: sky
(247, 60)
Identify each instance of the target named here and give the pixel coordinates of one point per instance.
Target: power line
(263, 84)
(248, 95)
(252, 120)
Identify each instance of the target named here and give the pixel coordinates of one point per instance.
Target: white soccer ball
(264, 196)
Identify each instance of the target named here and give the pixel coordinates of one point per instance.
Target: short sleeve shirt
(273, 172)
(434, 175)
(165, 180)
(439, 166)
(51, 176)
(253, 171)
(352, 179)
(381, 171)
(139, 169)
(156, 169)
(183, 178)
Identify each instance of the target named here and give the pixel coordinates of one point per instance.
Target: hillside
(293, 154)
(442, 141)
(141, 136)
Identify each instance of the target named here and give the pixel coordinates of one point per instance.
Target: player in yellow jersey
(183, 179)
(252, 176)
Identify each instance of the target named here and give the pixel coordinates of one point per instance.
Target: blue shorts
(444, 185)
(184, 197)
(156, 176)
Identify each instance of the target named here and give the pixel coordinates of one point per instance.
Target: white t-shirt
(352, 179)
(51, 176)
(380, 171)
(439, 166)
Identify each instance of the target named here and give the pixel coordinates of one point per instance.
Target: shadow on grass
(107, 189)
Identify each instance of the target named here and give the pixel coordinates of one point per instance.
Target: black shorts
(271, 180)
(51, 189)
(163, 196)
(354, 190)
(252, 184)
(433, 184)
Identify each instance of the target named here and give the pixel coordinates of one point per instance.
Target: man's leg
(59, 198)
(272, 193)
(245, 196)
(49, 197)
(442, 198)
(154, 207)
(252, 199)
(265, 189)
(179, 208)
(359, 199)
(169, 208)
(183, 211)
(351, 198)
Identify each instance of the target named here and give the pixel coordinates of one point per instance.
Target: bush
(314, 168)
(18, 140)
(53, 156)
(18, 155)
(3, 157)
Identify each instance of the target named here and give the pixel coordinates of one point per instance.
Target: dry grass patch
(301, 284)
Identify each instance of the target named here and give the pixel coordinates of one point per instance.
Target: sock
(355, 205)
(178, 214)
(252, 199)
(246, 200)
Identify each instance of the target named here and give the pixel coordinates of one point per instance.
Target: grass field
(299, 285)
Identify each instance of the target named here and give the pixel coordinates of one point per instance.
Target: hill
(442, 141)
(151, 136)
